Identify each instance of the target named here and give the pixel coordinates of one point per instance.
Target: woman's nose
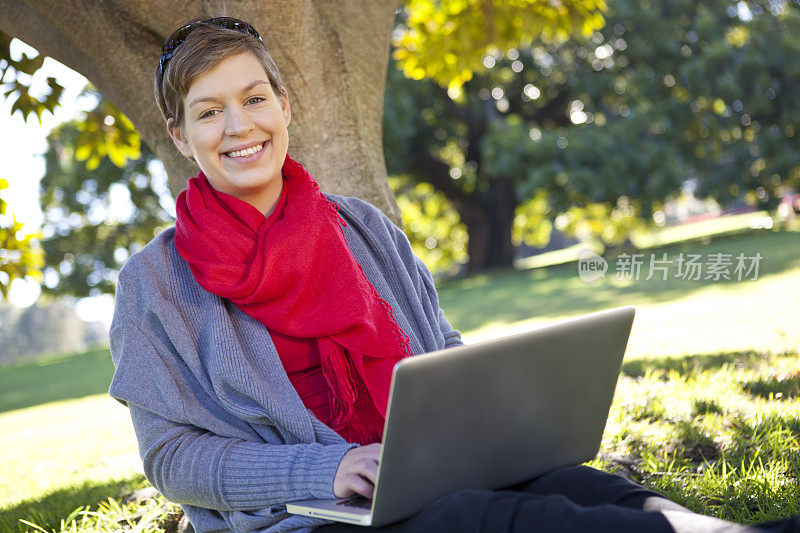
(237, 122)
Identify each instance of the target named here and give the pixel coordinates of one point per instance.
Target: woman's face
(235, 129)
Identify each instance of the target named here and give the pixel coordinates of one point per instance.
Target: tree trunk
(489, 219)
(488, 215)
(333, 56)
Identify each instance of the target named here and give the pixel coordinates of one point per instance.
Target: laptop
(490, 415)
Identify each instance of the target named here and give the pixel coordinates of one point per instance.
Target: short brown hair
(201, 51)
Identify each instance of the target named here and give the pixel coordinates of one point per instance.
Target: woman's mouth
(247, 152)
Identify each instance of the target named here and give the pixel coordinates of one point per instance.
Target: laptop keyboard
(358, 502)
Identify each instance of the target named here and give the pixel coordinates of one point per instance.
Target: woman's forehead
(233, 74)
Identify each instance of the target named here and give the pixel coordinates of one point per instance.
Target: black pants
(573, 499)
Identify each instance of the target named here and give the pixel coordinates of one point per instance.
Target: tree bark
(333, 55)
(489, 220)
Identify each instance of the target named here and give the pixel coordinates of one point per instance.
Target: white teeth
(249, 151)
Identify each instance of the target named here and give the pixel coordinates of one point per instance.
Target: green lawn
(64, 454)
(717, 433)
(674, 317)
(706, 410)
(64, 442)
(52, 379)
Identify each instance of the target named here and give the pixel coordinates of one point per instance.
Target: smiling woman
(230, 116)
(235, 128)
(254, 343)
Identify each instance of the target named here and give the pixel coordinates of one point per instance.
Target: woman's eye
(207, 114)
(255, 99)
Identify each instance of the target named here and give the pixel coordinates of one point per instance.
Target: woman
(254, 341)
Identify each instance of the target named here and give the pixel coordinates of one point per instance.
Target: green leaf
(83, 152)
(447, 40)
(28, 65)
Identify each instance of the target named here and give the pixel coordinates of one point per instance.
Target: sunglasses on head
(179, 36)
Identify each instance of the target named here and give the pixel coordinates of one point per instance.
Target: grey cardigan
(221, 430)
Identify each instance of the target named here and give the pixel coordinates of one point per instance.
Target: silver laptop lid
(496, 413)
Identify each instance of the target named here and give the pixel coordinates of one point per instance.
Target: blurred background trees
(90, 162)
(601, 130)
(46, 327)
(20, 254)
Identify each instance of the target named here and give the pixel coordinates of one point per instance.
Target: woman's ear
(287, 111)
(176, 134)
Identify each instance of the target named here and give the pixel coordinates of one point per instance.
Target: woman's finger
(361, 486)
(369, 469)
(361, 462)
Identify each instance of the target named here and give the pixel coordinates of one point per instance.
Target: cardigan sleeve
(196, 466)
(192, 466)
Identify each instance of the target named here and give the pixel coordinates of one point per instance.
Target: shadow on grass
(507, 296)
(720, 457)
(706, 406)
(57, 378)
(781, 387)
(694, 364)
(48, 512)
(695, 444)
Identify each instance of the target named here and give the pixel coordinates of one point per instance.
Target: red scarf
(295, 273)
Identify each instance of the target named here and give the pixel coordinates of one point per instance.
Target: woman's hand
(357, 472)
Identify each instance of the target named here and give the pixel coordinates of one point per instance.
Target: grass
(64, 454)
(674, 316)
(707, 408)
(718, 433)
(53, 379)
(64, 443)
(50, 510)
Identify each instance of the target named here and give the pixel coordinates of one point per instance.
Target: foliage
(436, 234)
(25, 102)
(685, 90)
(86, 240)
(611, 225)
(744, 134)
(105, 132)
(447, 40)
(85, 243)
(20, 254)
(664, 92)
(531, 225)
